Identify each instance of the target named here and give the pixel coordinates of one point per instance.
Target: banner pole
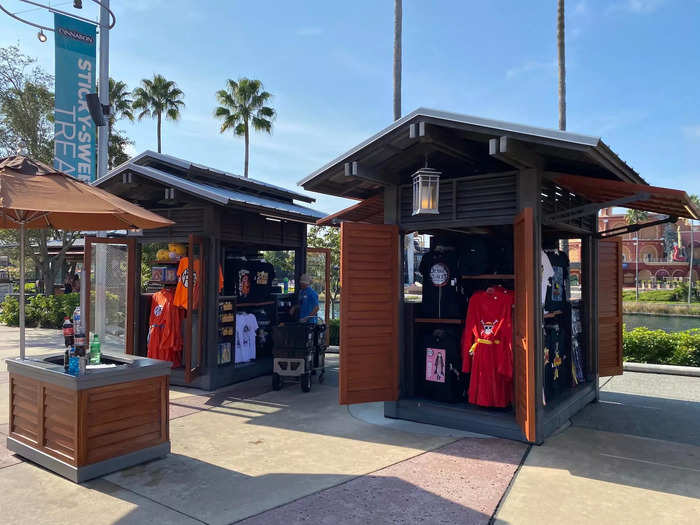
(103, 133)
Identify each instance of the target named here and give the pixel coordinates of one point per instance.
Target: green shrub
(642, 345)
(334, 331)
(40, 310)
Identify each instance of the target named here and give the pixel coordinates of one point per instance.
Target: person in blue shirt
(308, 301)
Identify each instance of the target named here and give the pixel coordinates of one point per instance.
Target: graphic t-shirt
(443, 367)
(440, 278)
(262, 275)
(246, 326)
(556, 298)
(183, 282)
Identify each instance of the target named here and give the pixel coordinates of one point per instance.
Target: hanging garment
(440, 278)
(556, 295)
(547, 273)
(164, 333)
(246, 326)
(262, 273)
(474, 256)
(183, 282)
(443, 366)
(487, 351)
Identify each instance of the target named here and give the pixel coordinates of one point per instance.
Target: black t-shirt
(474, 256)
(440, 278)
(262, 274)
(559, 282)
(442, 365)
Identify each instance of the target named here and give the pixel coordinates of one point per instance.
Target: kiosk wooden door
(196, 307)
(524, 345)
(610, 307)
(369, 284)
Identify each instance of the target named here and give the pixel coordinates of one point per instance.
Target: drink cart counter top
(49, 368)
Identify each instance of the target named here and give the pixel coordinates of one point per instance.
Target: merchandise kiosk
(222, 224)
(479, 212)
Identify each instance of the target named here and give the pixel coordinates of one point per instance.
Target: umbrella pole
(21, 290)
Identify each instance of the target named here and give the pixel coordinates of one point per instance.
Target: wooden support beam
(513, 152)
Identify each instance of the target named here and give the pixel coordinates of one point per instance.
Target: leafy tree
(242, 104)
(283, 261)
(157, 98)
(636, 216)
(26, 127)
(121, 108)
(328, 237)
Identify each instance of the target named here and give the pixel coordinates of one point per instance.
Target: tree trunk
(159, 132)
(562, 65)
(245, 167)
(398, 21)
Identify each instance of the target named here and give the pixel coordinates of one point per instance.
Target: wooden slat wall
(369, 274)
(239, 226)
(473, 201)
(610, 307)
(92, 425)
(123, 418)
(187, 220)
(524, 346)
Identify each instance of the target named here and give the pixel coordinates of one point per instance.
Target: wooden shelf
(264, 303)
(495, 276)
(437, 321)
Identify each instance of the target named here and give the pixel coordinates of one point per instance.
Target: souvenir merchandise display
(439, 268)
(250, 280)
(226, 321)
(474, 256)
(263, 274)
(246, 327)
(559, 363)
(487, 353)
(165, 333)
(443, 379)
(577, 357)
(183, 282)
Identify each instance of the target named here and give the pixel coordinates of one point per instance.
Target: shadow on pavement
(644, 416)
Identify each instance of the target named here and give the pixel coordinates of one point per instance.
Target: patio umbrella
(34, 195)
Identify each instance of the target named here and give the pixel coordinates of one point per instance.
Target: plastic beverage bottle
(95, 353)
(67, 332)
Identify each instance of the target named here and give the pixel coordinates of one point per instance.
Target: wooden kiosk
(216, 215)
(527, 186)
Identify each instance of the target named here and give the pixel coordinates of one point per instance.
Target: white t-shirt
(246, 326)
(547, 274)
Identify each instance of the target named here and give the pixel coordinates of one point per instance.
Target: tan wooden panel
(369, 320)
(610, 306)
(524, 346)
(124, 447)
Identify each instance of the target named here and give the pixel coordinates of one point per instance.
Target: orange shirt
(183, 282)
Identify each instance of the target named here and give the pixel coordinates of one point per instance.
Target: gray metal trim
(36, 368)
(495, 127)
(221, 196)
(142, 158)
(587, 209)
(88, 472)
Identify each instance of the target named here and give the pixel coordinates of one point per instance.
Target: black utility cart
(299, 352)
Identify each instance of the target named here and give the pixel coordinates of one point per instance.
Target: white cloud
(581, 8)
(309, 31)
(532, 66)
(692, 132)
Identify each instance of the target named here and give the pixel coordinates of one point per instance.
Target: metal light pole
(103, 89)
(690, 270)
(636, 263)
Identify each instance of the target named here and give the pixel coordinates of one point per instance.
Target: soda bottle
(95, 353)
(68, 333)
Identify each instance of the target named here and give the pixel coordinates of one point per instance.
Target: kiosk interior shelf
(438, 321)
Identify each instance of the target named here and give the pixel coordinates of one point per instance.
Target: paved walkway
(634, 457)
(250, 453)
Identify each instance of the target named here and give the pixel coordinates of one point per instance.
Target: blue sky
(633, 73)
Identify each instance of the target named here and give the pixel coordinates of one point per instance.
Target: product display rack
(226, 330)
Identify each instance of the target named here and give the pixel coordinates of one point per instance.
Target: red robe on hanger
(487, 349)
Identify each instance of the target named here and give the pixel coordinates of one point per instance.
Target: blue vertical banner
(76, 75)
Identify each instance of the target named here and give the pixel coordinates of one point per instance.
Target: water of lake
(668, 323)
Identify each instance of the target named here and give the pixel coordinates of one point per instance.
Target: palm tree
(636, 217)
(157, 97)
(243, 104)
(398, 22)
(562, 65)
(121, 106)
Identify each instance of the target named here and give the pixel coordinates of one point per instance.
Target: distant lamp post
(426, 191)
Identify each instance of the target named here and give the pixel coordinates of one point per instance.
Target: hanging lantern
(426, 191)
